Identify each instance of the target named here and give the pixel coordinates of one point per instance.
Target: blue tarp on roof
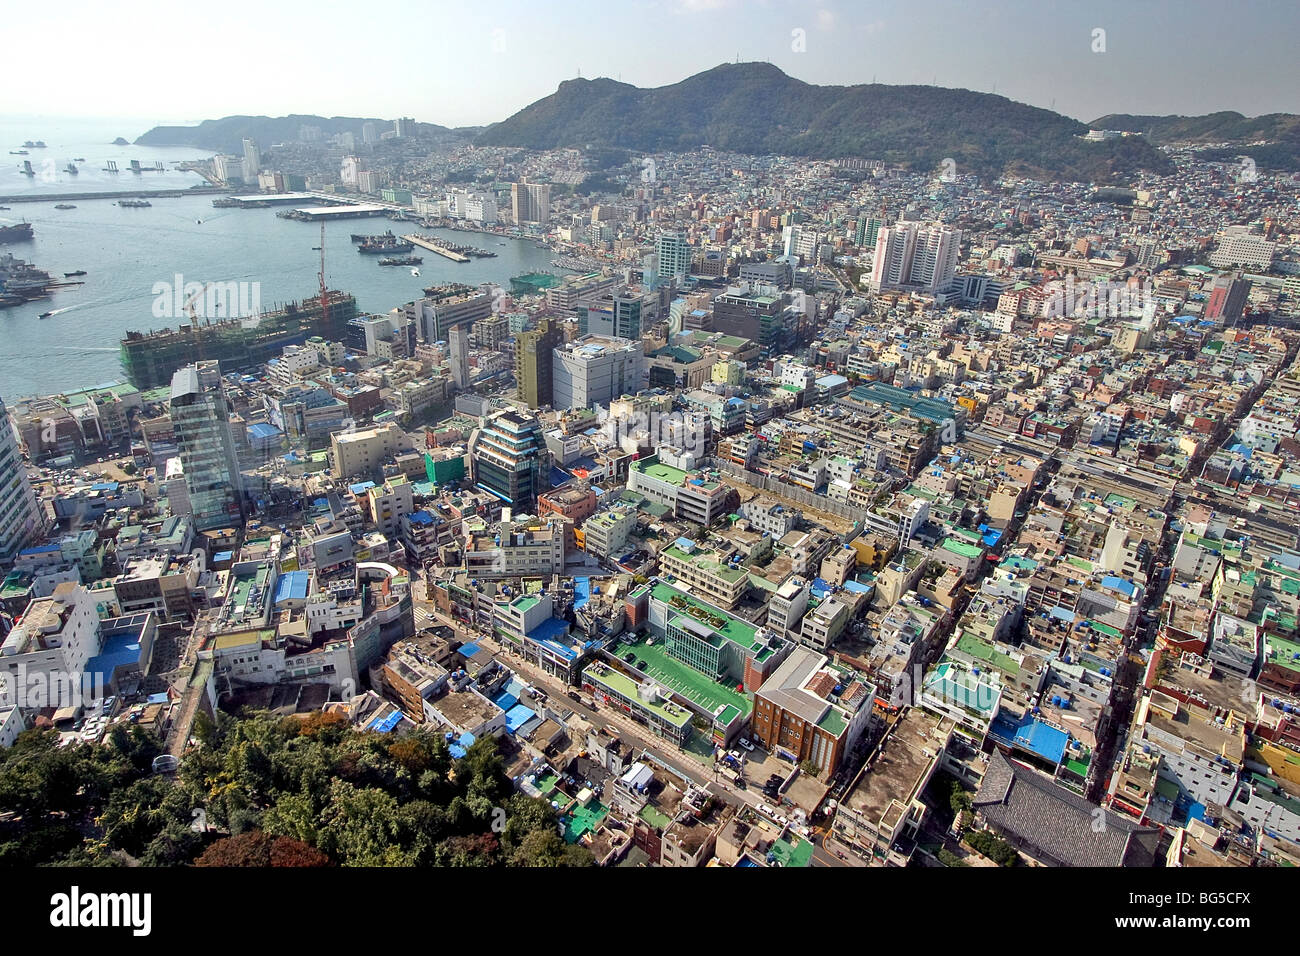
(420, 518)
(224, 556)
(469, 650)
(292, 586)
(1115, 583)
(856, 587)
(581, 592)
(517, 716)
(819, 588)
(1061, 613)
(558, 477)
(462, 743)
(505, 700)
(385, 724)
(104, 486)
(1030, 734)
(361, 487)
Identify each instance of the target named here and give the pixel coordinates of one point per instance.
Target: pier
(432, 245)
(112, 194)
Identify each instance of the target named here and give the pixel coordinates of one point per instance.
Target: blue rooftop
(292, 586)
(40, 549)
(361, 487)
(581, 592)
(517, 716)
(1030, 734)
(1122, 585)
(549, 632)
(263, 431)
(121, 647)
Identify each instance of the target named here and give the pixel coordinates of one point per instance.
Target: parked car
(744, 742)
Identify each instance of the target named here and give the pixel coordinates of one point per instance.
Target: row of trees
(265, 790)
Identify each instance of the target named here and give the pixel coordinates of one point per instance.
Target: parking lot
(759, 765)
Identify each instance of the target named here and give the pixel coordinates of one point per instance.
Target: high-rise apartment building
(20, 515)
(200, 418)
(530, 202)
(672, 255)
(508, 456)
(911, 256)
(534, 375)
(252, 161)
(458, 354)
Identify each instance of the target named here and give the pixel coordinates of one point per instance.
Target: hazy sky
(474, 62)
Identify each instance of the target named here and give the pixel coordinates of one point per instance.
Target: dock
(111, 194)
(432, 245)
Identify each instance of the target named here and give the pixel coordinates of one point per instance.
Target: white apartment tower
(910, 256)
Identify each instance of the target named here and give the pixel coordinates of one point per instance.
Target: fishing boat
(79, 272)
(45, 315)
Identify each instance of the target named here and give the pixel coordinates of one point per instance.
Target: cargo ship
(402, 261)
(18, 232)
(21, 278)
(385, 246)
(39, 144)
(134, 203)
(240, 344)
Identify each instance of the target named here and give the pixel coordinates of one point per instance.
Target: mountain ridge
(919, 126)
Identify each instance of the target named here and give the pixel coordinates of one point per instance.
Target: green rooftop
(962, 548)
(655, 469)
(792, 851)
(682, 679)
(982, 650)
(733, 629)
(622, 684)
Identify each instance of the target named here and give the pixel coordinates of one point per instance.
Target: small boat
(80, 159)
(17, 152)
(4, 207)
(46, 315)
(415, 272)
(64, 205)
(315, 248)
(79, 272)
